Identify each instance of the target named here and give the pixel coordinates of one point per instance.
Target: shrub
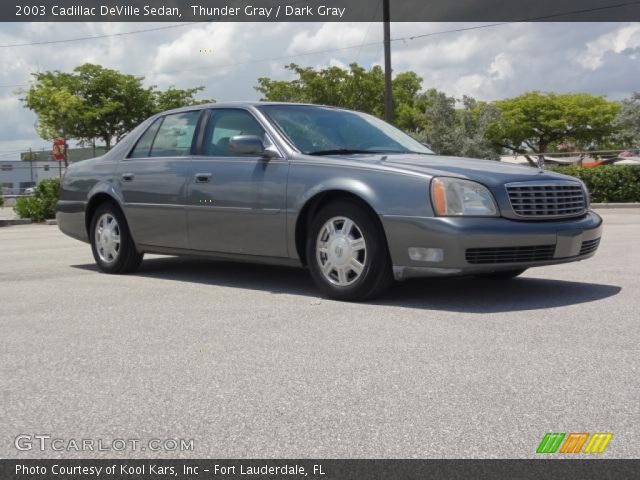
(42, 204)
(1, 198)
(608, 183)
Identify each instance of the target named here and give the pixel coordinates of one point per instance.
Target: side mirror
(250, 144)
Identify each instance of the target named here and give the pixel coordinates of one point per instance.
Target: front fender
(386, 192)
(353, 186)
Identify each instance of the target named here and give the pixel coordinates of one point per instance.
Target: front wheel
(111, 243)
(347, 252)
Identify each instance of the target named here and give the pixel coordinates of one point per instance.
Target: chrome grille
(547, 199)
(535, 253)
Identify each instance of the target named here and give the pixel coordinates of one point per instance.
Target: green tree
(473, 121)
(113, 103)
(176, 98)
(355, 88)
(453, 130)
(437, 122)
(406, 87)
(94, 102)
(56, 101)
(535, 121)
(628, 120)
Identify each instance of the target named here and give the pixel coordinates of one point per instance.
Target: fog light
(426, 254)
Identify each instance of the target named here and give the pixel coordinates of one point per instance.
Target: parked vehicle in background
(343, 193)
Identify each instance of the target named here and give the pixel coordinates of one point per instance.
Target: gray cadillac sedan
(343, 193)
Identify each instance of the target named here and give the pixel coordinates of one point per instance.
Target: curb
(17, 221)
(615, 205)
(51, 222)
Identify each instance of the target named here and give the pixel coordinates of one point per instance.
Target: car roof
(236, 104)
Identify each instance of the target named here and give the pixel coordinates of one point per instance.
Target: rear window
(175, 135)
(143, 147)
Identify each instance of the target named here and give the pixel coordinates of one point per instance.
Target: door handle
(202, 177)
(128, 177)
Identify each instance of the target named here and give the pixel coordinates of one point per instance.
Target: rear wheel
(502, 275)
(347, 252)
(111, 243)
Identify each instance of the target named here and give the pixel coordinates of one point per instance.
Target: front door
(153, 181)
(236, 202)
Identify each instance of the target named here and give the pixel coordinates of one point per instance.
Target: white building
(16, 175)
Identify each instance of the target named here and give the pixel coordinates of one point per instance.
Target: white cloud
(501, 67)
(205, 48)
(617, 41)
(329, 35)
(437, 54)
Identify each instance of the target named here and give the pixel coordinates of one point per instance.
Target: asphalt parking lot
(249, 362)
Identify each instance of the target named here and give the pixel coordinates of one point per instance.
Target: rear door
(153, 181)
(236, 202)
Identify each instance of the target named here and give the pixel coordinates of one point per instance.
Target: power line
(366, 34)
(96, 37)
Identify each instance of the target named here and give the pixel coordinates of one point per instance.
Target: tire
(359, 256)
(110, 255)
(502, 275)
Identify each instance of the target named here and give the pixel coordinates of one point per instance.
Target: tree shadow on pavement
(466, 294)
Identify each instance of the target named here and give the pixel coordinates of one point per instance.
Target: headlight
(456, 197)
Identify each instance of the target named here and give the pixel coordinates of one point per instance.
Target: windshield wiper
(342, 151)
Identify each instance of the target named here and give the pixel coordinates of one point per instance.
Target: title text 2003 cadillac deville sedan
(352, 198)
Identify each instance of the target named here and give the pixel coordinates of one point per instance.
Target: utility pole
(64, 149)
(388, 94)
(31, 165)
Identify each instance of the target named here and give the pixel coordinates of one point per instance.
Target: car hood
(488, 172)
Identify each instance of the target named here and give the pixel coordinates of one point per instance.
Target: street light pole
(388, 94)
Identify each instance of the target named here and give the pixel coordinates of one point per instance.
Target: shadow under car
(462, 294)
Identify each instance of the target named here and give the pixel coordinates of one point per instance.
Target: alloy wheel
(107, 238)
(341, 251)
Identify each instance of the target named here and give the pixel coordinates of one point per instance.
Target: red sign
(58, 149)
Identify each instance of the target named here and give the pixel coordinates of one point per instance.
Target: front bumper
(562, 240)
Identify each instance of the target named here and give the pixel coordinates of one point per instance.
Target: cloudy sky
(227, 58)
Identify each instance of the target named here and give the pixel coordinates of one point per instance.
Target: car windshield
(316, 130)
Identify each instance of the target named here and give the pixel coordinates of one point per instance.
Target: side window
(224, 124)
(175, 135)
(143, 147)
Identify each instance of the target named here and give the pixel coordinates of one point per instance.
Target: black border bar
(545, 468)
(318, 10)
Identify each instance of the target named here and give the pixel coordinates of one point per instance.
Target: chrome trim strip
(545, 183)
(154, 205)
(269, 211)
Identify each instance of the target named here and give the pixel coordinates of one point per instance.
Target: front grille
(545, 200)
(536, 253)
(589, 246)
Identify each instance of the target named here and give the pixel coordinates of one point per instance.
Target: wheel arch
(97, 199)
(313, 205)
